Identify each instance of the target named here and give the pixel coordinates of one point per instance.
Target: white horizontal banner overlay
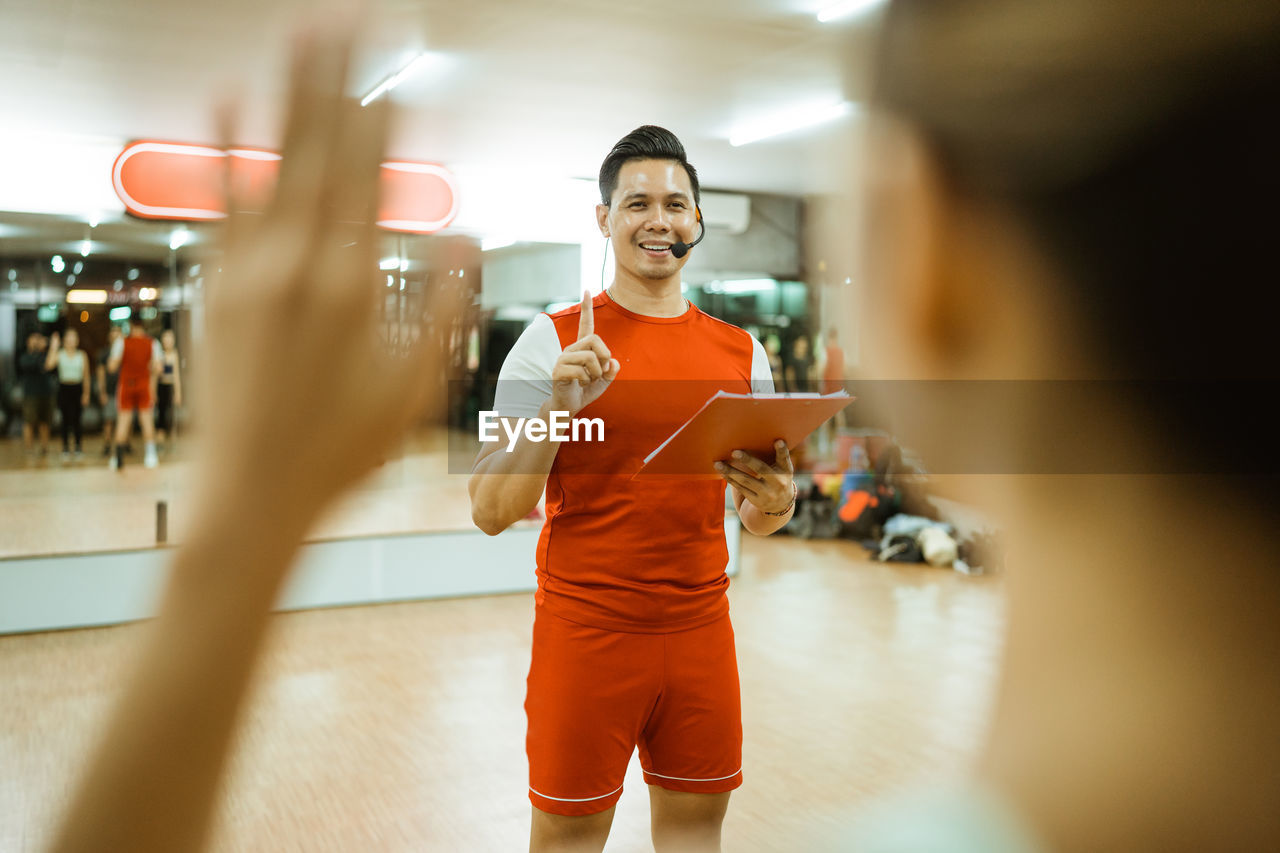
(559, 427)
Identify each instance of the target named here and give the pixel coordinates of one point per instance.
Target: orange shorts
(595, 695)
(134, 393)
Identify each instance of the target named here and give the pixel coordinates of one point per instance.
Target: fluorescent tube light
(391, 81)
(788, 121)
(742, 285)
(749, 285)
(845, 8)
(87, 297)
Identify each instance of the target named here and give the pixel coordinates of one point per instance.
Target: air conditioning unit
(726, 212)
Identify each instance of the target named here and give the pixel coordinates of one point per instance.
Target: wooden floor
(48, 506)
(401, 728)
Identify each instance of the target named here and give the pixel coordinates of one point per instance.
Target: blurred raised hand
(300, 392)
(301, 398)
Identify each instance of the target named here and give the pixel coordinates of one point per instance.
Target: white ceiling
(548, 85)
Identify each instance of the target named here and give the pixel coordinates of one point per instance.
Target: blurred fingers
(350, 234)
(312, 131)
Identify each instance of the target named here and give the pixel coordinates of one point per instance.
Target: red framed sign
(183, 181)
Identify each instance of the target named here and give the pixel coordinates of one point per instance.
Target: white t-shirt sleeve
(761, 375)
(157, 351)
(117, 349)
(524, 383)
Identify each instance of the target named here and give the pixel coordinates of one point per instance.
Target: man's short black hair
(645, 143)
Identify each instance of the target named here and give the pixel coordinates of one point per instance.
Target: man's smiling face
(652, 208)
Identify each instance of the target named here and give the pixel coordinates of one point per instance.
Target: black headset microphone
(680, 248)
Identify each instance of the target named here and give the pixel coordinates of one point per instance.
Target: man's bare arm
(505, 487)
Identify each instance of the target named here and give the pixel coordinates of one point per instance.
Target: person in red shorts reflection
(137, 357)
(832, 367)
(632, 643)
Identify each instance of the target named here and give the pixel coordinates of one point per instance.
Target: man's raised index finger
(586, 322)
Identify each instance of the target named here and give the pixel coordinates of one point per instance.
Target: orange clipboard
(750, 422)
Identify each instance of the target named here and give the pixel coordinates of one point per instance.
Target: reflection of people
(831, 367)
(832, 362)
(72, 366)
(168, 386)
(1043, 223)
(137, 358)
(799, 364)
(631, 574)
(37, 393)
(298, 297)
(773, 350)
(107, 381)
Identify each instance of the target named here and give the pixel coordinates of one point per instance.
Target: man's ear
(602, 218)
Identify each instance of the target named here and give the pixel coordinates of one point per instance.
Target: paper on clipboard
(750, 422)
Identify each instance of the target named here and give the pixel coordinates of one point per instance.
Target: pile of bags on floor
(874, 497)
(912, 539)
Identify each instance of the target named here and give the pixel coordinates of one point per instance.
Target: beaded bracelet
(794, 492)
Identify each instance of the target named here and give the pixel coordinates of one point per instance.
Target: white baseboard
(85, 590)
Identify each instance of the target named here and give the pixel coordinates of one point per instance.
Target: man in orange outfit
(632, 644)
(137, 357)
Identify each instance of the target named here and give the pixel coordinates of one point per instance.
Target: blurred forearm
(167, 742)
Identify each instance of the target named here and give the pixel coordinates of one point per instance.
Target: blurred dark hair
(649, 142)
(1135, 145)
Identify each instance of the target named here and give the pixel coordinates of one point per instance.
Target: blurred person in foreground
(298, 297)
(1076, 195)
